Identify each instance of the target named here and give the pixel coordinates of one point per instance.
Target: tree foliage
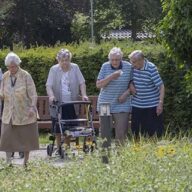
(176, 30)
(38, 21)
(44, 22)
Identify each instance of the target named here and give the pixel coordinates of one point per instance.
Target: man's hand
(132, 89)
(124, 96)
(116, 75)
(159, 109)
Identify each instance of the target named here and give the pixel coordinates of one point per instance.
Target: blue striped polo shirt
(115, 88)
(147, 82)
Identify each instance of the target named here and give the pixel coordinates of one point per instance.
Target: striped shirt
(115, 88)
(147, 82)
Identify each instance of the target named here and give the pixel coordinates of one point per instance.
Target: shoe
(21, 155)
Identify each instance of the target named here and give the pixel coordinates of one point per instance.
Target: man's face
(115, 60)
(13, 68)
(137, 62)
(64, 62)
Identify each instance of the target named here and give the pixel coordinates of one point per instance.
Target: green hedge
(178, 100)
(39, 60)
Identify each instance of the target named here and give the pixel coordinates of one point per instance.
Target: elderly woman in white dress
(64, 84)
(19, 120)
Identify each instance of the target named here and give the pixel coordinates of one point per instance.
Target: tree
(107, 16)
(176, 30)
(5, 36)
(42, 22)
(80, 27)
(136, 13)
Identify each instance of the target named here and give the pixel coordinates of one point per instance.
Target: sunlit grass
(149, 165)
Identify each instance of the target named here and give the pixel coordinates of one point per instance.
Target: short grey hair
(12, 58)
(136, 54)
(63, 53)
(115, 51)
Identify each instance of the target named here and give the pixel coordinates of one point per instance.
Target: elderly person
(65, 82)
(19, 121)
(113, 81)
(148, 97)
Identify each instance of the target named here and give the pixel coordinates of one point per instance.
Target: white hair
(63, 53)
(115, 51)
(136, 54)
(12, 58)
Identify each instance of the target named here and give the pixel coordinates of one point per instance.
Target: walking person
(19, 120)
(113, 81)
(148, 97)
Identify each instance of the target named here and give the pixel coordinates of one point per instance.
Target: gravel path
(38, 155)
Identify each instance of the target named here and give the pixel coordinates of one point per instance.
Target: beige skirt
(16, 138)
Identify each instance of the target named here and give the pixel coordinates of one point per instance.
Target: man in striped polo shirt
(113, 81)
(148, 97)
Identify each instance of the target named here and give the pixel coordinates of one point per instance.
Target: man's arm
(161, 99)
(104, 82)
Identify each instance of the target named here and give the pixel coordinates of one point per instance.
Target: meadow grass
(148, 165)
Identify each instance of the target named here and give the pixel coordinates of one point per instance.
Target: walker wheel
(62, 153)
(21, 155)
(50, 150)
(85, 148)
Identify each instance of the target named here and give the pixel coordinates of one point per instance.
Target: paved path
(38, 155)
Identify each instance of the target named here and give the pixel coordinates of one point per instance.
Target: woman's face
(115, 60)
(64, 62)
(13, 68)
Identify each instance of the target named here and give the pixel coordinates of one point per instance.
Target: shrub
(39, 60)
(178, 100)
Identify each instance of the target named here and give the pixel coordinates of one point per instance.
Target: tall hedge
(178, 101)
(89, 58)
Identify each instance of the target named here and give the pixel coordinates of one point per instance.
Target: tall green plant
(176, 30)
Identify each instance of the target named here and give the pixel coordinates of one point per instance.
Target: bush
(39, 60)
(178, 100)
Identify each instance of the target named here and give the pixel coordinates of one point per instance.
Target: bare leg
(26, 158)
(66, 140)
(58, 140)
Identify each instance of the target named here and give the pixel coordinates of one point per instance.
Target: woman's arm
(49, 85)
(83, 92)
(31, 91)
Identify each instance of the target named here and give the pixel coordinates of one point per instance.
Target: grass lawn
(44, 138)
(148, 166)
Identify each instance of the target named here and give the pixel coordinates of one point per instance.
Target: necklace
(13, 81)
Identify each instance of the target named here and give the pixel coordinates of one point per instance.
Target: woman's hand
(32, 112)
(51, 99)
(85, 98)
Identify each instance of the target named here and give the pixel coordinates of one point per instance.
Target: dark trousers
(68, 112)
(146, 122)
